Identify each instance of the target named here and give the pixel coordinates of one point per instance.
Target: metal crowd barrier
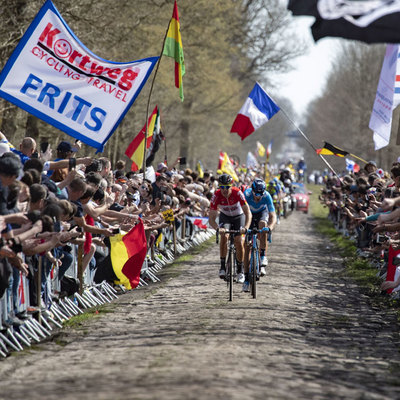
(51, 312)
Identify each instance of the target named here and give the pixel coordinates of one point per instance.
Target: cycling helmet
(225, 179)
(258, 186)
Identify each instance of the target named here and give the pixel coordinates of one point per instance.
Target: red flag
(391, 269)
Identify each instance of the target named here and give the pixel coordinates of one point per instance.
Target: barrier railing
(39, 322)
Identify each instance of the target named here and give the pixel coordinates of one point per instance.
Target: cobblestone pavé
(309, 335)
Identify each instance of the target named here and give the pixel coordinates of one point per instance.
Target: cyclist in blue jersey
(263, 215)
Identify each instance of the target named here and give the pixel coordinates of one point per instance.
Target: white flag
(252, 162)
(350, 165)
(387, 97)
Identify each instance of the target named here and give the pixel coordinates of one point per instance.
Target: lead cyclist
(234, 213)
(263, 215)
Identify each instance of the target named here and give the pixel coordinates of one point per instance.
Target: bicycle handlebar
(255, 231)
(226, 232)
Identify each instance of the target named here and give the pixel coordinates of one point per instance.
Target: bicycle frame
(254, 267)
(230, 270)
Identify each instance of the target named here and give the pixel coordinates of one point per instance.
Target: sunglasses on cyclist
(225, 186)
(258, 194)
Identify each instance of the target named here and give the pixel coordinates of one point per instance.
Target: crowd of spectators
(48, 207)
(365, 206)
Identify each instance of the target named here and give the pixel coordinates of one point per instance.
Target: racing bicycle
(254, 270)
(230, 263)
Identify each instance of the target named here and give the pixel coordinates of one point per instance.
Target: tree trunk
(8, 124)
(32, 129)
(184, 145)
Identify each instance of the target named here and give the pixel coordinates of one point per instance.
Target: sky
(308, 78)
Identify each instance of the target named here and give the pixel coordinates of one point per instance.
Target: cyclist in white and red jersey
(234, 214)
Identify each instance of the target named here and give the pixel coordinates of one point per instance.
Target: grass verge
(94, 312)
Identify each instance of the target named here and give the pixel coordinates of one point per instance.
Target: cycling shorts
(261, 216)
(232, 223)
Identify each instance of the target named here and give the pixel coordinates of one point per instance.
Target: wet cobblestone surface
(309, 335)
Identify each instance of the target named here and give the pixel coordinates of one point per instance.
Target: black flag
(369, 21)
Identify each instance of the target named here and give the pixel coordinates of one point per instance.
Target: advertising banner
(53, 76)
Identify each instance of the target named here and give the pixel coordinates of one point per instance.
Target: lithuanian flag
(135, 150)
(173, 48)
(128, 252)
(331, 150)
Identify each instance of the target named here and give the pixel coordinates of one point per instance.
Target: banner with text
(53, 76)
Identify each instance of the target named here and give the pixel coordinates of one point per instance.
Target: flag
(255, 112)
(370, 21)
(128, 252)
(330, 150)
(200, 170)
(251, 162)
(54, 77)
(387, 97)
(352, 166)
(155, 144)
(135, 150)
(269, 149)
(226, 167)
(173, 48)
(392, 271)
(260, 149)
(201, 222)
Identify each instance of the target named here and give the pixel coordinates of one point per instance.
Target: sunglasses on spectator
(224, 186)
(144, 187)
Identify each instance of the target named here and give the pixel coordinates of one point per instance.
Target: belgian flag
(331, 150)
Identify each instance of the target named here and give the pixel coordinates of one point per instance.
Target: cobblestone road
(309, 335)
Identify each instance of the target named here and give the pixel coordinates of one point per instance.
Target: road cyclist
(275, 189)
(229, 205)
(263, 215)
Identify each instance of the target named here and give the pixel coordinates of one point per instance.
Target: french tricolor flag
(255, 112)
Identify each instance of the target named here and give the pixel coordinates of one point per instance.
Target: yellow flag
(227, 167)
(260, 149)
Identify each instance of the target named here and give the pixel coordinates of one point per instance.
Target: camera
(115, 231)
(44, 147)
(381, 238)
(182, 160)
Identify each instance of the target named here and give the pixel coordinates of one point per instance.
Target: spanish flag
(173, 48)
(135, 150)
(331, 150)
(128, 252)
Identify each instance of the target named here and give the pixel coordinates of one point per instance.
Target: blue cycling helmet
(258, 186)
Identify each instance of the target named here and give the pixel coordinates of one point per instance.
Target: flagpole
(309, 142)
(358, 158)
(165, 151)
(148, 103)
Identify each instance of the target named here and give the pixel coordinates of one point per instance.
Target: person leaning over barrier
(234, 213)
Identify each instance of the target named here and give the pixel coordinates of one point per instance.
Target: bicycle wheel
(254, 270)
(231, 267)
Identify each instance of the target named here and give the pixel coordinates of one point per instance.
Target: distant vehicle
(301, 196)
